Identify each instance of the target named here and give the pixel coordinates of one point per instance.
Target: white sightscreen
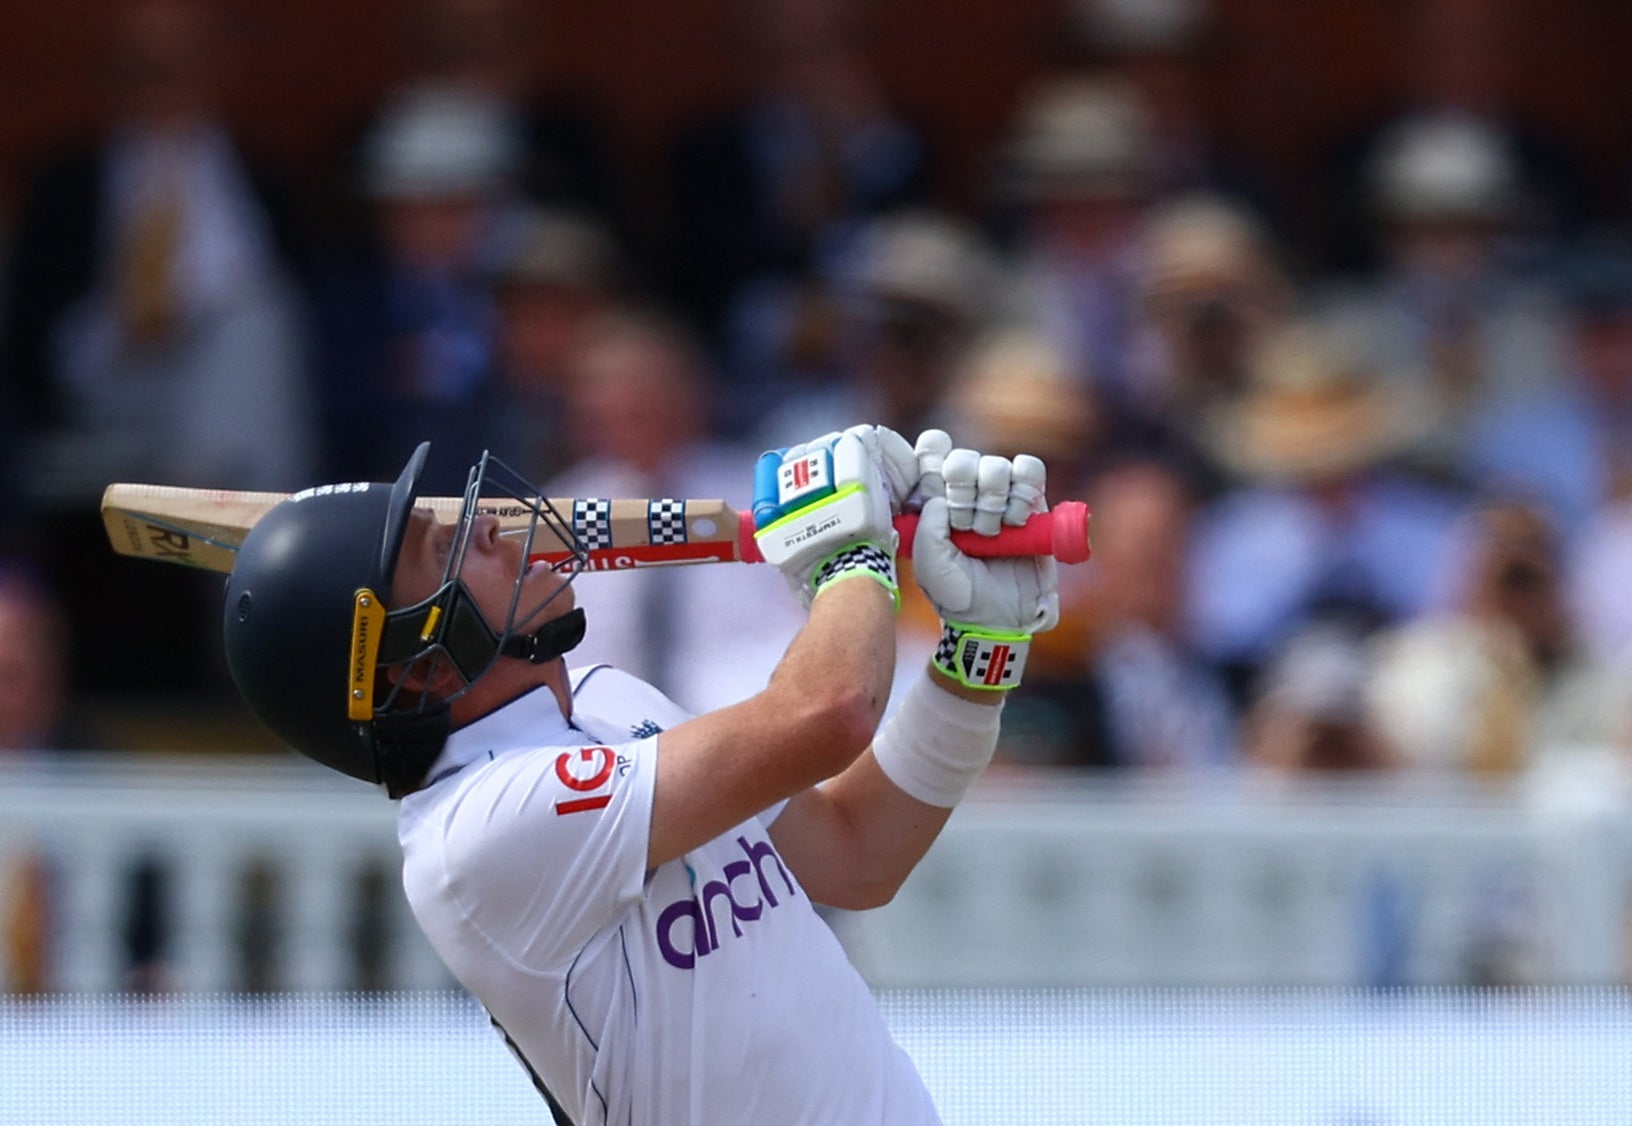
(1038, 1057)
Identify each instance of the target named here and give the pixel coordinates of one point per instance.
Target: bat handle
(1061, 532)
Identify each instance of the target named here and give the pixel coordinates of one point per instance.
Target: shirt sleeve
(543, 847)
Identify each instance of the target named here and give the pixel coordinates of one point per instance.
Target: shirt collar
(530, 720)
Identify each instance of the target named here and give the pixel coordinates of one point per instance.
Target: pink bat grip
(1061, 532)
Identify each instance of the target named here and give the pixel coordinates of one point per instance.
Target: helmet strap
(407, 742)
(549, 641)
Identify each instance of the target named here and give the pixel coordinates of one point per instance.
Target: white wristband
(936, 744)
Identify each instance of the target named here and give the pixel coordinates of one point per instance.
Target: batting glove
(989, 608)
(824, 509)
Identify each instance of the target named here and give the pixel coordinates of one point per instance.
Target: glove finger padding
(1027, 485)
(991, 494)
(961, 472)
(931, 450)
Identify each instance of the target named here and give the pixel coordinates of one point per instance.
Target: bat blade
(205, 527)
(193, 527)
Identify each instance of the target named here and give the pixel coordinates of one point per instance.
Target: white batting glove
(824, 509)
(990, 608)
(931, 449)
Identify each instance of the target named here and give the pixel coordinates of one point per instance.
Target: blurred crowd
(1361, 499)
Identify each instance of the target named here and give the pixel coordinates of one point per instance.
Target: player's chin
(547, 592)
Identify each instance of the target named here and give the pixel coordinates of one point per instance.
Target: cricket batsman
(629, 890)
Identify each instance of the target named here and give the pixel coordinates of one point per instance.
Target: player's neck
(508, 680)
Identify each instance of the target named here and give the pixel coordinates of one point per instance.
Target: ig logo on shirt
(585, 771)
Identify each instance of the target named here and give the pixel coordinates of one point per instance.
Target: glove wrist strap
(982, 658)
(858, 560)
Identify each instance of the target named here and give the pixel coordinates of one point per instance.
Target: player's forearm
(841, 664)
(855, 839)
(813, 720)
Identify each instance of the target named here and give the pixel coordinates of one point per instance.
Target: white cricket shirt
(707, 991)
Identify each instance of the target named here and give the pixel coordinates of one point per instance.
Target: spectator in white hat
(897, 316)
(1078, 172)
(409, 315)
(1451, 310)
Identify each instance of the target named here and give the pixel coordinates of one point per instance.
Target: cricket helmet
(311, 632)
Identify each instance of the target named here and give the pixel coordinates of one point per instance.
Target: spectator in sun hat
(922, 287)
(1452, 61)
(1077, 173)
(503, 50)
(1079, 137)
(1014, 390)
(1307, 713)
(435, 142)
(1212, 289)
(1326, 518)
(1166, 51)
(1214, 285)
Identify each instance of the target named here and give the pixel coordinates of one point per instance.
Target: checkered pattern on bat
(666, 520)
(592, 520)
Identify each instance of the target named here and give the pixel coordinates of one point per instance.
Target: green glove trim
(977, 657)
(858, 560)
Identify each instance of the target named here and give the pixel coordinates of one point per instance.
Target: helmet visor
(448, 628)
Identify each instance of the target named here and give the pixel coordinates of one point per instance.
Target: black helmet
(308, 624)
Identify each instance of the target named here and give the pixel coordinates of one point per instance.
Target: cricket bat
(203, 528)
